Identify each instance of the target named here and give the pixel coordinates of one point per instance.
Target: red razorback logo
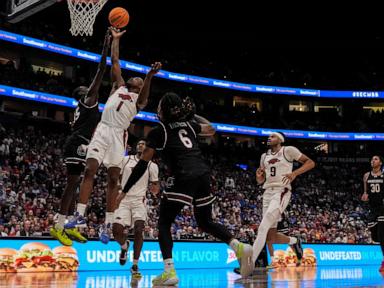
(125, 97)
(273, 161)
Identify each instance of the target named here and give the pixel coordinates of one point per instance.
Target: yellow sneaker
(60, 235)
(166, 279)
(74, 234)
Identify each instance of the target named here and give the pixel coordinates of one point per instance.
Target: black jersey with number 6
(375, 189)
(179, 148)
(85, 120)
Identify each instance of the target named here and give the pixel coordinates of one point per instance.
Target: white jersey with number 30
(277, 164)
(120, 108)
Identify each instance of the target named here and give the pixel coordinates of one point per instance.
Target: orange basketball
(118, 17)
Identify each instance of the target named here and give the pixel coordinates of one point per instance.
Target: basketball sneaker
(104, 233)
(244, 255)
(135, 272)
(123, 254)
(60, 235)
(74, 234)
(77, 220)
(167, 278)
(298, 249)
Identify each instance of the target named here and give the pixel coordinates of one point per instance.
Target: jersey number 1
(183, 135)
(120, 104)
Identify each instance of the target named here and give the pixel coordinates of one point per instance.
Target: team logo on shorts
(170, 182)
(82, 150)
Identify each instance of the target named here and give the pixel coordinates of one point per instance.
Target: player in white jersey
(276, 175)
(108, 142)
(132, 211)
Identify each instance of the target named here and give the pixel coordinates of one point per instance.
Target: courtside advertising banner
(49, 255)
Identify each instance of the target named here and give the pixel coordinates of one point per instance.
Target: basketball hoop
(83, 15)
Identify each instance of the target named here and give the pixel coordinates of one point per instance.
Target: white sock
(81, 208)
(234, 244)
(108, 218)
(168, 264)
(265, 225)
(60, 221)
(292, 240)
(135, 262)
(70, 218)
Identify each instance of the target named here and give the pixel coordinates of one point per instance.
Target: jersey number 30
(183, 135)
(375, 188)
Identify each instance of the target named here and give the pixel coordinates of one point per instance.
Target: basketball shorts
(131, 209)
(195, 191)
(276, 198)
(376, 224)
(75, 150)
(108, 145)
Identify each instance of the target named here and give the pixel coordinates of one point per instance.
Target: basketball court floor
(330, 276)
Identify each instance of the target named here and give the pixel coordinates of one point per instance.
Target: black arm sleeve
(137, 172)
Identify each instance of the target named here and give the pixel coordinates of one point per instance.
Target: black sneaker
(298, 249)
(135, 272)
(123, 254)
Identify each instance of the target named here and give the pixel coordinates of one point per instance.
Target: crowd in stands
(325, 206)
(352, 119)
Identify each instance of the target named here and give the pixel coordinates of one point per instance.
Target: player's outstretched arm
(142, 100)
(116, 78)
(207, 130)
(364, 197)
(93, 92)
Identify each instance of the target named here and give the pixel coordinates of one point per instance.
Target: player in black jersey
(86, 118)
(176, 140)
(374, 194)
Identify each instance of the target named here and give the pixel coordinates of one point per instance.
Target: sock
(135, 261)
(108, 218)
(70, 218)
(234, 244)
(168, 264)
(124, 246)
(292, 240)
(60, 222)
(81, 208)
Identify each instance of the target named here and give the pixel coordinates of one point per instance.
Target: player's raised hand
(288, 178)
(116, 33)
(107, 38)
(364, 197)
(155, 67)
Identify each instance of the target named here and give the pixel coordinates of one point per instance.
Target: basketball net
(83, 15)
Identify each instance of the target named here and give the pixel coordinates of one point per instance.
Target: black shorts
(376, 224)
(196, 191)
(75, 151)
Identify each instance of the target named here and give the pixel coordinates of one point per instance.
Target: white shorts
(276, 198)
(131, 209)
(108, 145)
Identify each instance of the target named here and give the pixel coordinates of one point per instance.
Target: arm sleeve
(153, 172)
(195, 126)
(156, 138)
(292, 153)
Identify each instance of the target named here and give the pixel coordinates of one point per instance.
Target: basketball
(118, 17)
